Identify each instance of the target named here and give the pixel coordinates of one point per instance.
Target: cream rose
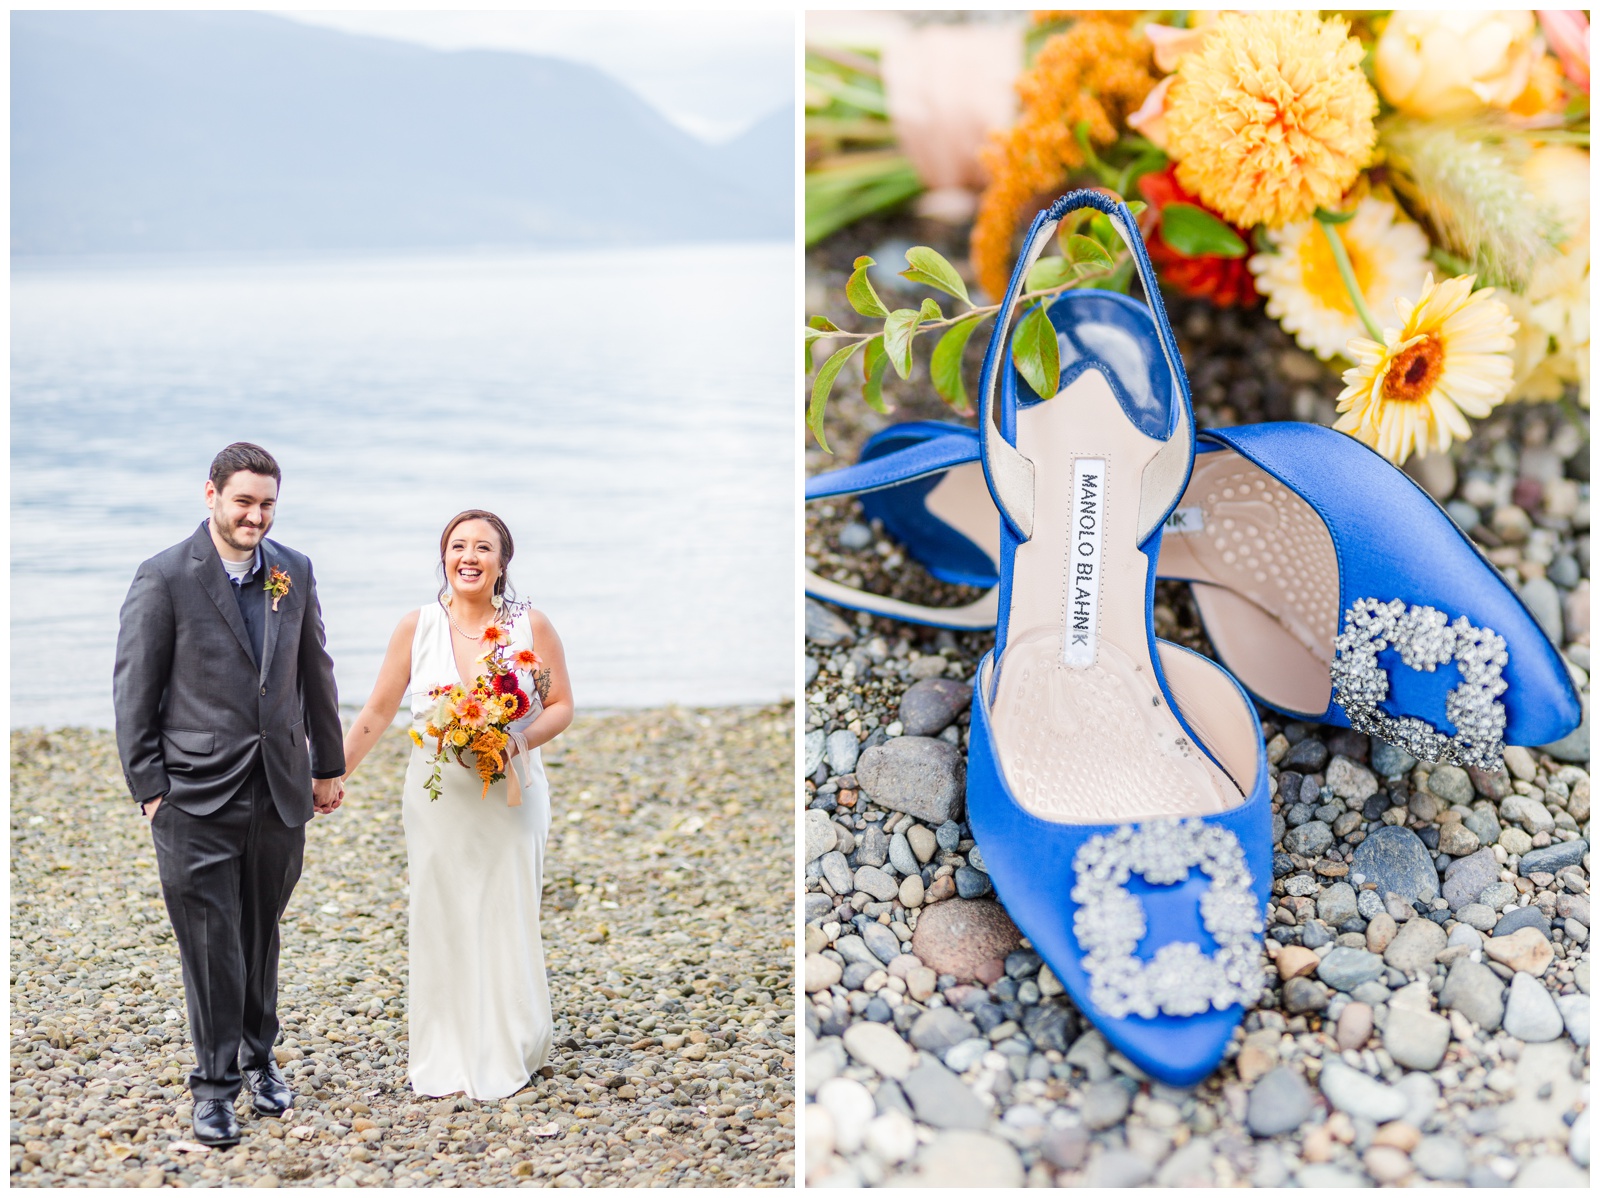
(1553, 314)
(1433, 64)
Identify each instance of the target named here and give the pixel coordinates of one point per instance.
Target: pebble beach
(1439, 1038)
(668, 936)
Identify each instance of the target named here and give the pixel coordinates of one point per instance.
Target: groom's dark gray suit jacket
(195, 710)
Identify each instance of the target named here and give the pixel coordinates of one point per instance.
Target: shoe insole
(1083, 730)
(1262, 559)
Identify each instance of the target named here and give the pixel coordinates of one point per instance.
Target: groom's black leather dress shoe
(270, 1093)
(214, 1122)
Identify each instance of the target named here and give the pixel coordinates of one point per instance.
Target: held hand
(150, 806)
(327, 794)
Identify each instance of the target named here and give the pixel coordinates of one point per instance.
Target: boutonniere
(278, 583)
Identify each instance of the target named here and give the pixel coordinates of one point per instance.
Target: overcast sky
(712, 73)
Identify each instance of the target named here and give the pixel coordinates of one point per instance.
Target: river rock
(1355, 1093)
(957, 936)
(1553, 859)
(1346, 968)
(1530, 1013)
(824, 628)
(1395, 859)
(1416, 946)
(931, 705)
(939, 1029)
(969, 1160)
(1280, 1102)
(1416, 1039)
(1525, 950)
(820, 835)
(879, 1048)
(1466, 878)
(1474, 990)
(1349, 781)
(821, 972)
(1336, 904)
(843, 749)
(919, 775)
(1451, 783)
(940, 1099)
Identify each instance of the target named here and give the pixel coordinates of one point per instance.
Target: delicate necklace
(492, 621)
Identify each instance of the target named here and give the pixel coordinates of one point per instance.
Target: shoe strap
(1008, 471)
(977, 616)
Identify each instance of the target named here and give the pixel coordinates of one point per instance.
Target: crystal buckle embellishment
(1181, 979)
(1425, 639)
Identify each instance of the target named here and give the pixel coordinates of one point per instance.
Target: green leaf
(930, 268)
(874, 366)
(1049, 273)
(860, 293)
(1088, 253)
(822, 323)
(1195, 233)
(1334, 218)
(930, 311)
(1103, 231)
(820, 389)
(1034, 350)
(898, 331)
(1137, 206)
(945, 365)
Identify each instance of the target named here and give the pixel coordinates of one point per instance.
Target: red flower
(504, 684)
(1224, 281)
(523, 704)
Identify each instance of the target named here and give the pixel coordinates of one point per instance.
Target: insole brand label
(1186, 520)
(1084, 561)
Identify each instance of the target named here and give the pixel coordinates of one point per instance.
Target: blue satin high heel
(1301, 545)
(1116, 784)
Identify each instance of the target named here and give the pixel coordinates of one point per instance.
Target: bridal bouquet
(479, 720)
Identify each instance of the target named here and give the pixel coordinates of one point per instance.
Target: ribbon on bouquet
(513, 774)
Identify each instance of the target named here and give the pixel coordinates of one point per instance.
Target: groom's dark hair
(242, 455)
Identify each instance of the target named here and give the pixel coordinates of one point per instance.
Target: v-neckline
(450, 645)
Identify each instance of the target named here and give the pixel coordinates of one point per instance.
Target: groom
(228, 729)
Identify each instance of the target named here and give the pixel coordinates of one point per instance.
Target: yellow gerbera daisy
(416, 738)
(1388, 254)
(1271, 117)
(1451, 358)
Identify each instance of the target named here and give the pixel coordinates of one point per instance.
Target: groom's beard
(231, 533)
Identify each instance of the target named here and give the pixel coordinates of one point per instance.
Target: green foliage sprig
(1093, 257)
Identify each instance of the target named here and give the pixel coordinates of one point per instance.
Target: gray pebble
(1575, 1014)
(1531, 1014)
(813, 668)
(1440, 1158)
(901, 856)
(939, 1029)
(873, 848)
(941, 1100)
(1416, 1039)
(1337, 903)
(1105, 1104)
(1451, 783)
(816, 746)
(856, 974)
(1310, 839)
(1416, 946)
(1477, 915)
(948, 836)
(1553, 859)
(1307, 757)
(1466, 878)
(1368, 905)
(1118, 1169)
(876, 883)
(820, 835)
(1351, 781)
(1395, 859)
(1355, 1093)
(919, 775)
(1346, 968)
(1301, 996)
(1389, 761)
(885, 945)
(843, 749)
(837, 872)
(965, 1055)
(1544, 604)
(1483, 824)
(929, 706)
(1523, 917)
(855, 951)
(1476, 992)
(824, 628)
(1280, 1102)
(855, 536)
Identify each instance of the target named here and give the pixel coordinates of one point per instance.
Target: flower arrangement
(1407, 192)
(478, 720)
(277, 585)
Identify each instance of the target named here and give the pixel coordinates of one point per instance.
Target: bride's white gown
(479, 1007)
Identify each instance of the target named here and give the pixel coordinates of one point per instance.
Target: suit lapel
(214, 580)
(269, 559)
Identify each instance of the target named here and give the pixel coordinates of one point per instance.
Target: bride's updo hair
(507, 547)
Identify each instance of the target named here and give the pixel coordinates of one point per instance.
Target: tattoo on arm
(541, 683)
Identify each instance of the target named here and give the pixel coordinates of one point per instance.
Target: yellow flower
(459, 736)
(1451, 358)
(1455, 62)
(416, 738)
(1553, 313)
(1271, 117)
(1388, 254)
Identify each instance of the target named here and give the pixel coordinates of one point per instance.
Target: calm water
(629, 414)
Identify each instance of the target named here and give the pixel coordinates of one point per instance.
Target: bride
(479, 1006)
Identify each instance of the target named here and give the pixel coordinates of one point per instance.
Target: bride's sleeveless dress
(479, 1006)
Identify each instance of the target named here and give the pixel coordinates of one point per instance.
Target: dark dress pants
(227, 878)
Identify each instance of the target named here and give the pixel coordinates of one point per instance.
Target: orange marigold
(1097, 71)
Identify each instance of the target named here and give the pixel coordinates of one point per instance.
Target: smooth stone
(1346, 968)
(1337, 903)
(824, 628)
(879, 1048)
(1531, 1013)
(1395, 859)
(837, 873)
(1416, 1039)
(1521, 764)
(1578, 1140)
(1354, 1026)
(901, 857)
(1422, 1097)
(1553, 859)
(1527, 811)
(922, 842)
(1440, 1158)
(1477, 915)
(1515, 841)
(1498, 895)
(1575, 1014)
(816, 745)
(919, 775)
(820, 835)
(1065, 1147)
(1307, 757)
(948, 835)
(940, 1029)
(1523, 918)
(1451, 783)
(1457, 840)
(957, 936)
(852, 1108)
(843, 749)
(911, 891)
(874, 881)
(1416, 946)
(1302, 996)
(891, 1137)
(1381, 929)
(1386, 1165)
(940, 1099)
(855, 951)
(965, 1055)
(1295, 961)
(1525, 950)
(1476, 992)
(1389, 761)
(1369, 906)
(873, 848)
(1543, 602)
(1118, 1169)
(1309, 839)
(881, 942)
(931, 705)
(1105, 1104)
(1467, 877)
(1483, 824)
(821, 972)
(1350, 781)
(968, 1160)
(972, 883)
(1280, 1102)
(1355, 1093)
(856, 974)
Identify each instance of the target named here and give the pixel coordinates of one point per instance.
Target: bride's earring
(498, 602)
